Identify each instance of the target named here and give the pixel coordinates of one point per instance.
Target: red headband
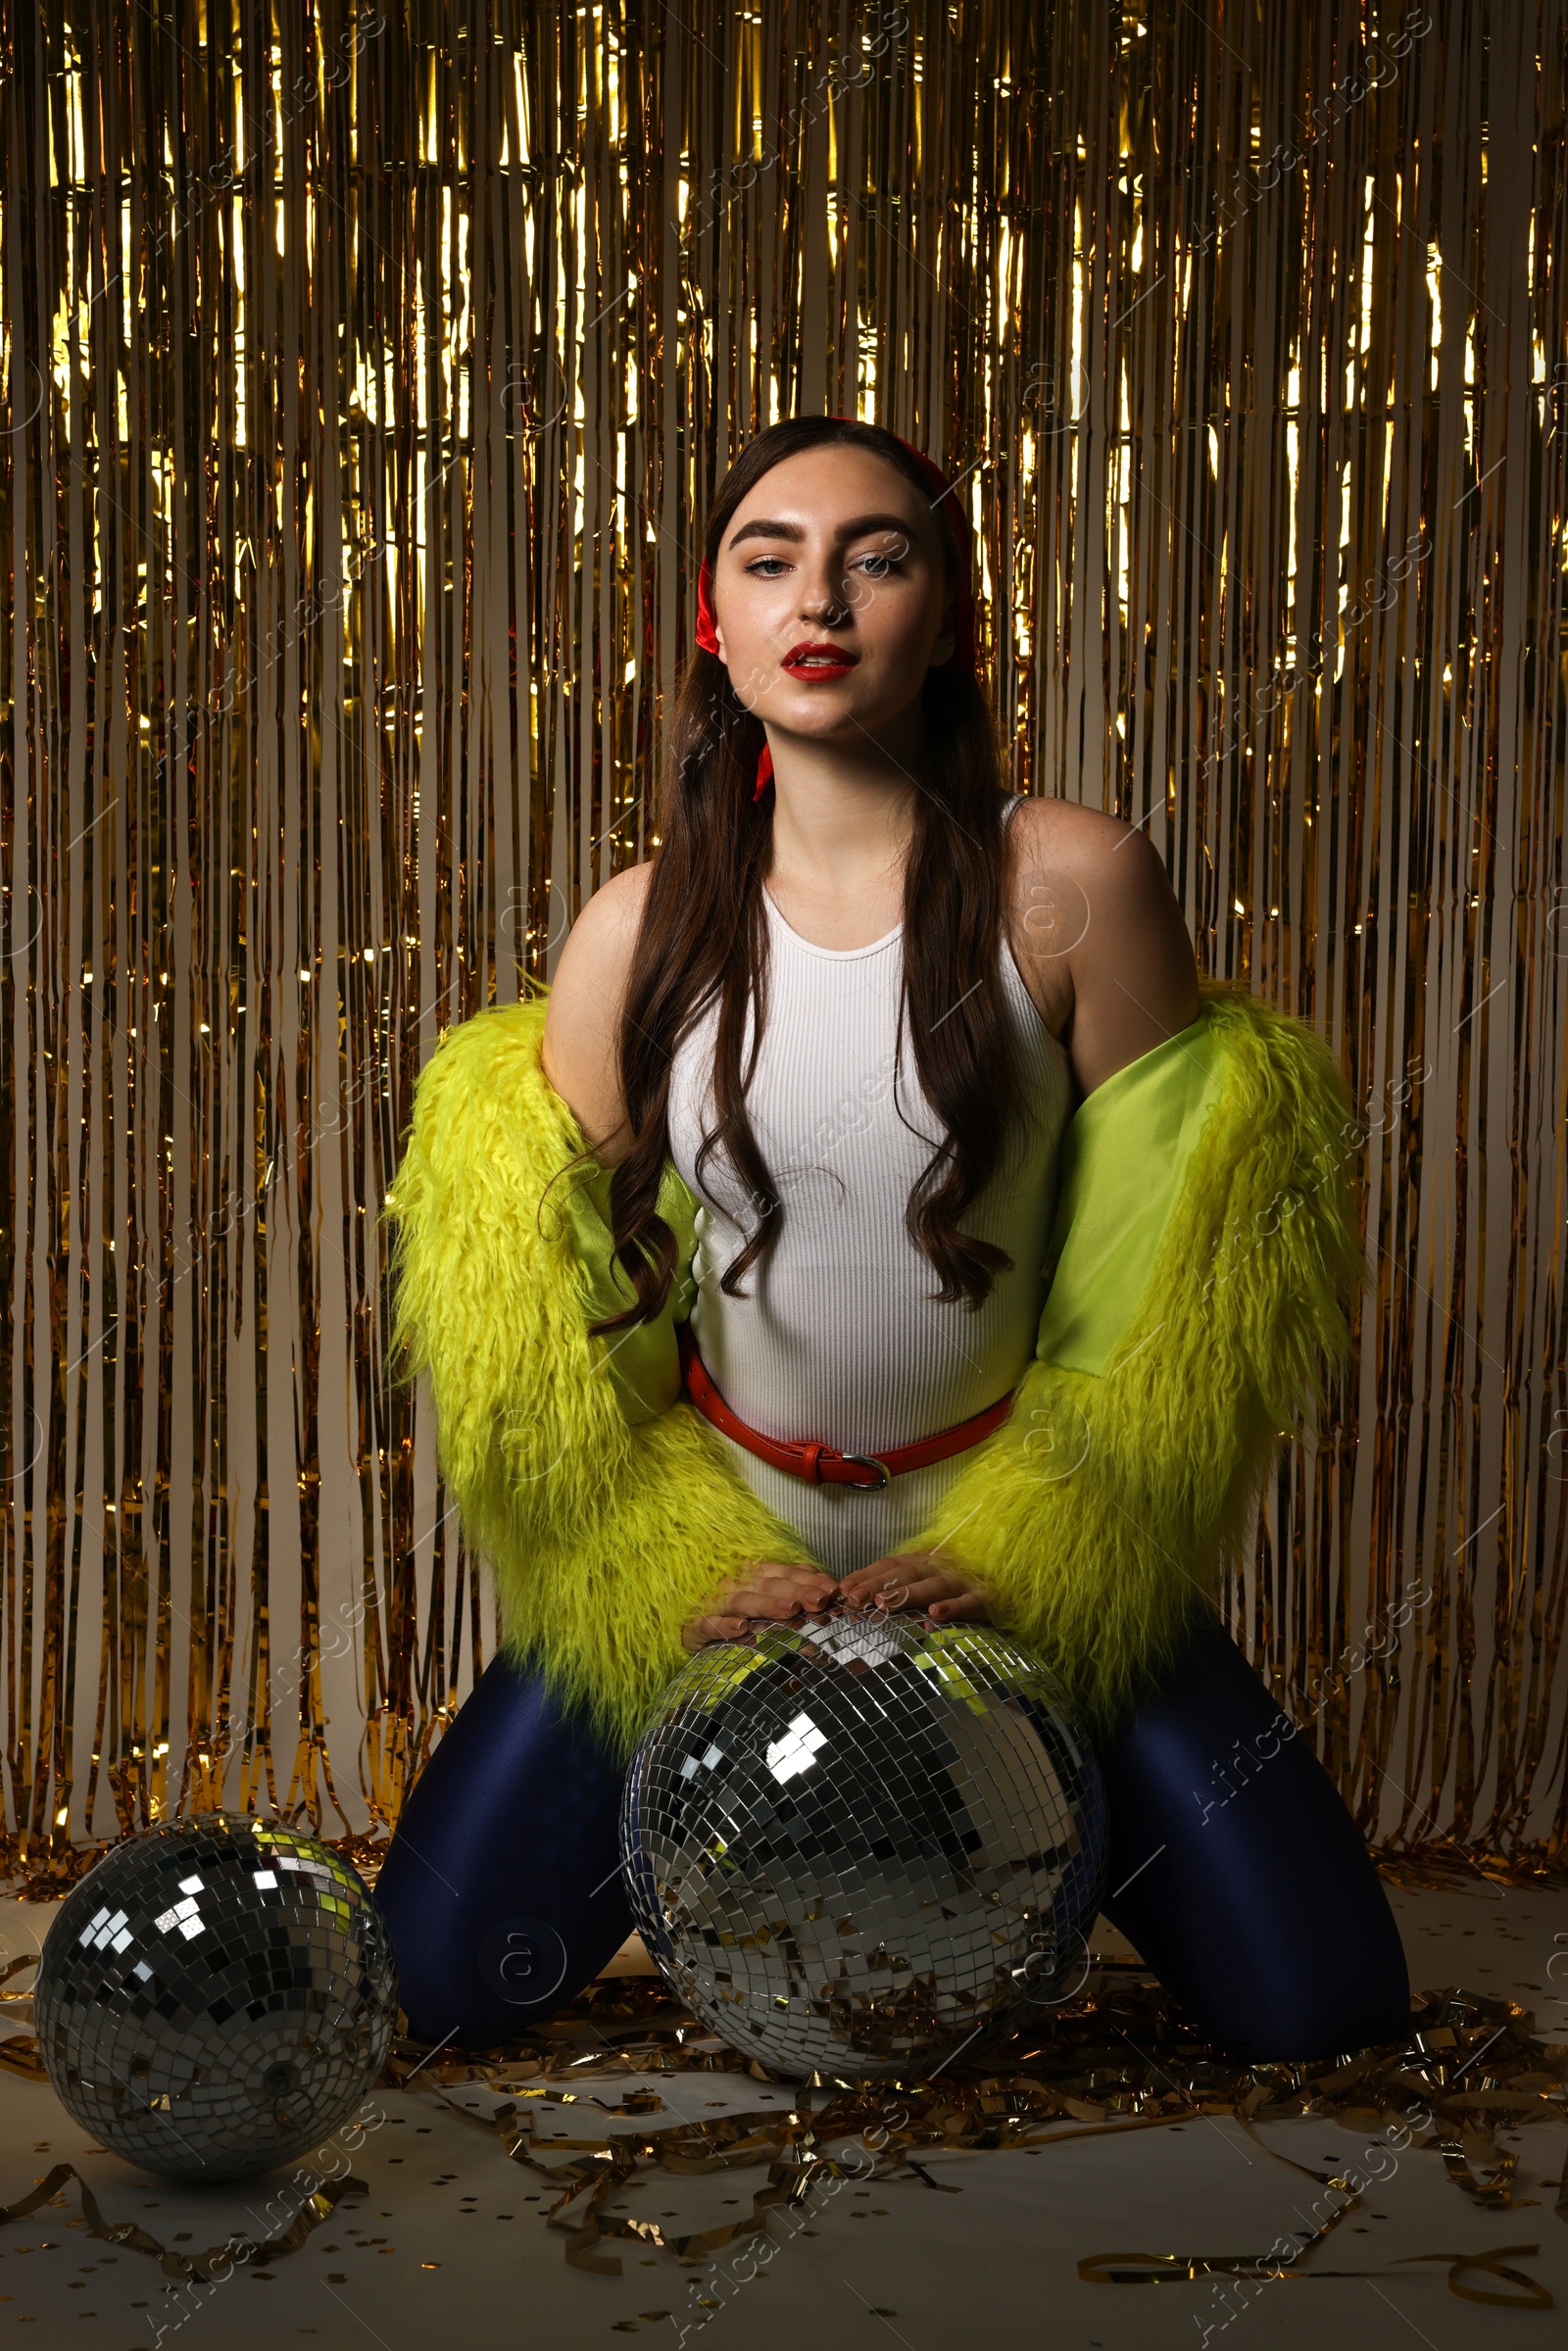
(962, 655)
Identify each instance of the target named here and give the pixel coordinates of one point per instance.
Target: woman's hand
(764, 1588)
(912, 1579)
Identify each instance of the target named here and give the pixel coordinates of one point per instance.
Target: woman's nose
(824, 597)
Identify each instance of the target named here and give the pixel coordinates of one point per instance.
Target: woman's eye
(888, 564)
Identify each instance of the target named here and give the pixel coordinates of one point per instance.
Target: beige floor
(449, 2246)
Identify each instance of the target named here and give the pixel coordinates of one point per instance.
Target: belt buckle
(870, 1461)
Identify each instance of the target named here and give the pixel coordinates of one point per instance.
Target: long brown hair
(704, 934)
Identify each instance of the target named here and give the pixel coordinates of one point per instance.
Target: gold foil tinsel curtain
(368, 369)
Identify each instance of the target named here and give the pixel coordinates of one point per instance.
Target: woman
(877, 1211)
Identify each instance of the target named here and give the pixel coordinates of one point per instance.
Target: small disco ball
(215, 1996)
(850, 1846)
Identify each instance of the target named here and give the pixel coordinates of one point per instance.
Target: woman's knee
(1350, 1992)
(1239, 1872)
(501, 1884)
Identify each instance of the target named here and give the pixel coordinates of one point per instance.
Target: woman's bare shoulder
(1097, 930)
(1059, 851)
(1062, 844)
(580, 1049)
(1066, 829)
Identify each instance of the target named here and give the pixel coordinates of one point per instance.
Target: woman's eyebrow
(793, 530)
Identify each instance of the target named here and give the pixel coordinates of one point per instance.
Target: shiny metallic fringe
(369, 372)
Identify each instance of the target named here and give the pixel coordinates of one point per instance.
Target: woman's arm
(612, 1518)
(581, 1049)
(1204, 1264)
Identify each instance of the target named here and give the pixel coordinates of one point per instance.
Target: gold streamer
(369, 369)
(218, 2261)
(1150, 2269)
(1120, 2058)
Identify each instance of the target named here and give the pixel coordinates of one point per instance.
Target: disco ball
(215, 1996)
(853, 1846)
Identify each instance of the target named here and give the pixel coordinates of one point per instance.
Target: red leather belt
(824, 1464)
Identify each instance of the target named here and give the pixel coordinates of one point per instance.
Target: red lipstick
(817, 661)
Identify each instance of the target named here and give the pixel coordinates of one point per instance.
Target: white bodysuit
(837, 1338)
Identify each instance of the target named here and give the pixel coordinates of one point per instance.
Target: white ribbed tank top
(837, 1338)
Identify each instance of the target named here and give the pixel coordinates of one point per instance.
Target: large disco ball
(215, 1996)
(854, 1844)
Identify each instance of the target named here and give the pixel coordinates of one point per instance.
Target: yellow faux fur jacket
(1203, 1276)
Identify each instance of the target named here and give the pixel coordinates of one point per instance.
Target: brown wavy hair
(704, 935)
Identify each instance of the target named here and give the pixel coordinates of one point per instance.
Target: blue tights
(1235, 1870)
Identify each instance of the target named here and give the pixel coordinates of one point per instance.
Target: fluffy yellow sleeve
(1206, 1256)
(606, 1509)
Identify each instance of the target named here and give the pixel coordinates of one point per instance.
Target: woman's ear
(946, 643)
